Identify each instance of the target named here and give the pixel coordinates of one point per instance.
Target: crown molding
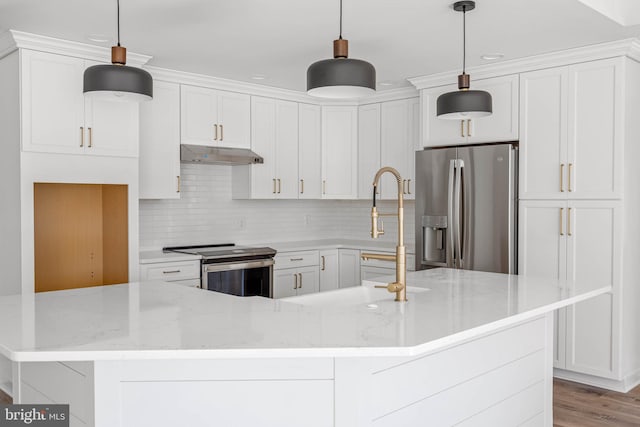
(12, 40)
(201, 80)
(626, 47)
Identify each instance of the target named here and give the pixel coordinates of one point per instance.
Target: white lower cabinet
(295, 281)
(329, 270)
(349, 263)
(185, 273)
(580, 241)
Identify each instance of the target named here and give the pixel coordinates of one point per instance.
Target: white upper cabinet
(57, 118)
(274, 134)
(368, 148)
(501, 125)
(399, 131)
(160, 143)
(571, 145)
(215, 118)
(309, 151)
(339, 152)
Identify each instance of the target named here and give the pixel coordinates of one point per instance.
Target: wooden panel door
(52, 103)
(263, 176)
(309, 151)
(329, 271)
(234, 119)
(68, 236)
(596, 129)
(543, 134)
(286, 141)
(594, 257)
(368, 148)
(160, 143)
(340, 152)
(198, 116)
(542, 252)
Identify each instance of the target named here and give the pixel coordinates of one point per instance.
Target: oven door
(241, 278)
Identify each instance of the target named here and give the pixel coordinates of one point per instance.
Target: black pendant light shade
(117, 82)
(341, 77)
(464, 103)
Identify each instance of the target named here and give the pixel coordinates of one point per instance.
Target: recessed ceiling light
(258, 77)
(492, 56)
(98, 38)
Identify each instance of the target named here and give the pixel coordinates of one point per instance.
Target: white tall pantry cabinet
(578, 140)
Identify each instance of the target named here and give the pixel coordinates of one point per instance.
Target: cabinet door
(349, 261)
(286, 149)
(160, 143)
(263, 176)
(198, 115)
(368, 148)
(414, 145)
(310, 151)
(329, 273)
(439, 132)
(52, 103)
(340, 152)
(112, 127)
(285, 283)
(542, 252)
(502, 124)
(234, 120)
(397, 148)
(543, 131)
(308, 282)
(595, 130)
(594, 256)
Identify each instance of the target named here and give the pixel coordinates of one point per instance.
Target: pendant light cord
(464, 38)
(118, 22)
(340, 19)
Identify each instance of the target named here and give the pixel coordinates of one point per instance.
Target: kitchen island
(468, 348)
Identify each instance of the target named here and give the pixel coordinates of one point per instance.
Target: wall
(207, 214)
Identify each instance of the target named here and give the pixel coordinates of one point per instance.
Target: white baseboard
(622, 386)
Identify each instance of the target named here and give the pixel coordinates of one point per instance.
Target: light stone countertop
(157, 320)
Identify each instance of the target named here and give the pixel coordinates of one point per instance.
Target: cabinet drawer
(170, 271)
(296, 259)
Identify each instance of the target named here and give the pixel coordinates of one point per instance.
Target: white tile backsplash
(206, 213)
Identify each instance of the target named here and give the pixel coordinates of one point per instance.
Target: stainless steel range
(237, 270)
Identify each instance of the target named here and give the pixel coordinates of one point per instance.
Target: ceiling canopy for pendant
(464, 103)
(341, 77)
(117, 82)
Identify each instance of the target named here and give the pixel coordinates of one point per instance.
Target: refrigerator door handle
(459, 197)
(450, 250)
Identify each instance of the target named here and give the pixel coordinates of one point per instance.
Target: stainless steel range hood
(218, 155)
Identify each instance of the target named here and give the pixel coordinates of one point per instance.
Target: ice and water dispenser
(434, 238)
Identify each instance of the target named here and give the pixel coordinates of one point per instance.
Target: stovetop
(223, 250)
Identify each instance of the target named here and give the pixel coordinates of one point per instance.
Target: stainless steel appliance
(466, 207)
(236, 270)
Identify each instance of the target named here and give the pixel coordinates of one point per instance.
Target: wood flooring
(576, 405)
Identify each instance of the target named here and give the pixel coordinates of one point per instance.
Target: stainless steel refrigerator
(466, 207)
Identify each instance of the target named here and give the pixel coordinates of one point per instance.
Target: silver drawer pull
(171, 271)
(296, 259)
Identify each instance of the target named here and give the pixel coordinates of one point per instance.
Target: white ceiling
(237, 39)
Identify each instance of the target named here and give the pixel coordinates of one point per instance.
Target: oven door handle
(210, 268)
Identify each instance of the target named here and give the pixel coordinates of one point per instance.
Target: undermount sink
(356, 295)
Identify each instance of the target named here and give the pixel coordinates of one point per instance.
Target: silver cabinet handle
(323, 266)
(295, 281)
(302, 186)
(90, 137)
(215, 136)
(279, 185)
(274, 186)
(569, 180)
(81, 136)
(178, 179)
(171, 271)
(561, 218)
(562, 177)
(300, 286)
(221, 133)
(296, 259)
(408, 186)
